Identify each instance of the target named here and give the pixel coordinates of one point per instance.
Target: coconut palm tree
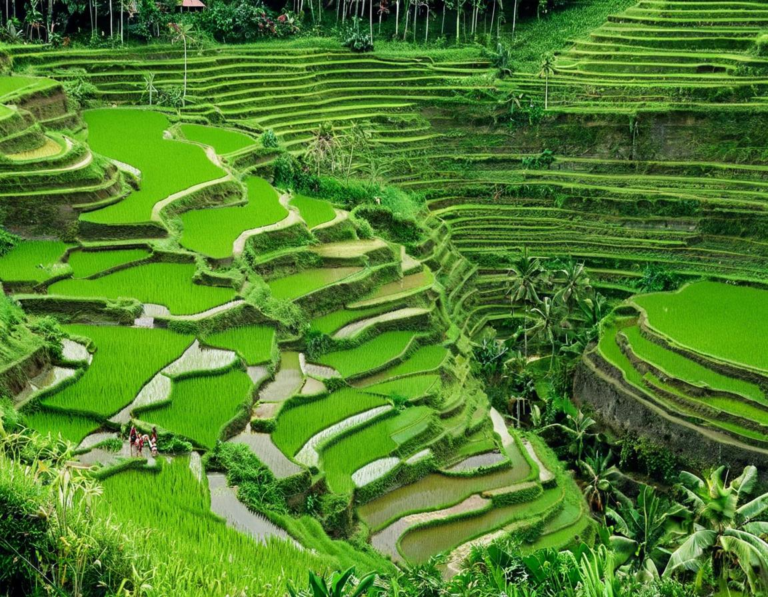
(546, 69)
(601, 477)
(524, 279)
(573, 282)
(645, 532)
(182, 32)
(549, 322)
(725, 531)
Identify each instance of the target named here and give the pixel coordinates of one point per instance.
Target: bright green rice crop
(370, 355)
(314, 211)
(32, 261)
(406, 387)
(198, 555)
(168, 284)
(291, 287)
(223, 141)
(687, 370)
(425, 358)
(327, 324)
(72, 428)
(201, 406)
(125, 359)
(341, 459)
(254, 343)
(213, 232)
(88, 263)
(720, 320)
(135, 137)
(296, 425)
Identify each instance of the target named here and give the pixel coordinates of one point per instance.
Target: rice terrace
(393, 298)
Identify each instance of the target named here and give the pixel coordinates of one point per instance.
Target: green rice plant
(135, 137)
(719, 320)
(424, 359)
(200, 407)
(292, 287)
(73, 428)
(254, 343)
(297, 424)
(213, 232)
(88, 263)
(687, 370)
(168, 284)
(223, 141)
(314, 211)
(33, 261)
(407, 387)
(327, 324)
(342, 458)
(125, 359)
(195, 553)
(371, 355)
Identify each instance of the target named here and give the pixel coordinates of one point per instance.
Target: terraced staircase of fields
(382, 402)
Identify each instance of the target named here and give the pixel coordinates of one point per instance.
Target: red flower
(281, 18)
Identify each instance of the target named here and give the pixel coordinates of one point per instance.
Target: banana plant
(340, 584)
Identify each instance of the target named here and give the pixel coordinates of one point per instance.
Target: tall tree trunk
(493, 15)
(442, 24)
(546, 90)
(514, 18)
(397, 17)
(458, 19)
(407, 18)
(184, 94)
(370, 17)
(380, 15)
(111, 21)
(426, 33)
(415, 19)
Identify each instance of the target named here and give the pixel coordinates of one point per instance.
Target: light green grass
(407, 387)
(125, 359)
(327, 324)
(314, 211)
(72, 428)
(223, 141)
(254, 343)
(88, 263)
(296, 285)
(370, 355)
(213, 232)
(720, 320)
(341, 459)
(135, 137)
(201, 406)
(297, 425)
(196, 549)
(168, 284)
(687, 370)
(32, 261)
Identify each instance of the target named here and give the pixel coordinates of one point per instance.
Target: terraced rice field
(313, 211)
(125, 359)
(223, 141)
(135, 137)
(33, 261)
(254, 343)
(167, 284)
(705, 317)
(213, 232)
(200, 406)
(303, 283)
(85, 264)
(371, 355)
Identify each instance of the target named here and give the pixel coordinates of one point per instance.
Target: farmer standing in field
(132, 438)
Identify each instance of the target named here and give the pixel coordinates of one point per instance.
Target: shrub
(269, 139)
(355, 39)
